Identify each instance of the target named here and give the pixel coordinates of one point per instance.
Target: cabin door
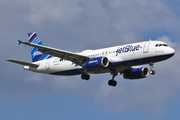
(48, 64)
(146, 47)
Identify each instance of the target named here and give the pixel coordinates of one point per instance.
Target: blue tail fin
(35, 54)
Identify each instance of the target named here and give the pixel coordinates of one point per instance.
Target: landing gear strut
(152, 72)
(112, 82)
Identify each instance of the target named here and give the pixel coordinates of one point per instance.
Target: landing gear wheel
(112, 83)
(85, 76)
(152, 72)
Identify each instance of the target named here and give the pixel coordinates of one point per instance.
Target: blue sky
(75, 25)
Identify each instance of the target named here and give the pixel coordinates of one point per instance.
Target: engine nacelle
(95, 63)
(136, 73)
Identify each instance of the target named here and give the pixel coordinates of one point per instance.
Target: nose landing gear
(152, 72)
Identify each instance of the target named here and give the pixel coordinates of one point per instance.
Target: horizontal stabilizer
(19, 42)
(24, 63)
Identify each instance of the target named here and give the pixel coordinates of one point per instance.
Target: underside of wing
(74, 57)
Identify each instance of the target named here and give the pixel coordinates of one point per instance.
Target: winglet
(19, 42)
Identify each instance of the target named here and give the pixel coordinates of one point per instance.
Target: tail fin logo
(37, 53)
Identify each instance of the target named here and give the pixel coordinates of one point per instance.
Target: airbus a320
(122, 59)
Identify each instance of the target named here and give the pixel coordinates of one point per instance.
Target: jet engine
(136, 73)
(95, 63)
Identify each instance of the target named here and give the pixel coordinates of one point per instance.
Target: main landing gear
(85, 76)
(152, 72)
(112, 82)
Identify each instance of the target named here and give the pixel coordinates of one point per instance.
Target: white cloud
(63, 11)
(142, 15)
(167, 40)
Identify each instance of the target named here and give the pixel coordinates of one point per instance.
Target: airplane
(122, 59)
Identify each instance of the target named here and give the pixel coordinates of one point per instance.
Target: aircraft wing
(74, 57)
(24, 63)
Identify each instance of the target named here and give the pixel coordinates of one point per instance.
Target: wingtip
(19, 42)
(9, 60)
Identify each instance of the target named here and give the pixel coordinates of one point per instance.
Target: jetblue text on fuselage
(128, 48)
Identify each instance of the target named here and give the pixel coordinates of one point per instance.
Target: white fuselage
(120, 57)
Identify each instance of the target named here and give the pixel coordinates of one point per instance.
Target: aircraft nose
(171, 51)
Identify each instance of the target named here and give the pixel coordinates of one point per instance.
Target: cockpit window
(165, 45)
(159, 45)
